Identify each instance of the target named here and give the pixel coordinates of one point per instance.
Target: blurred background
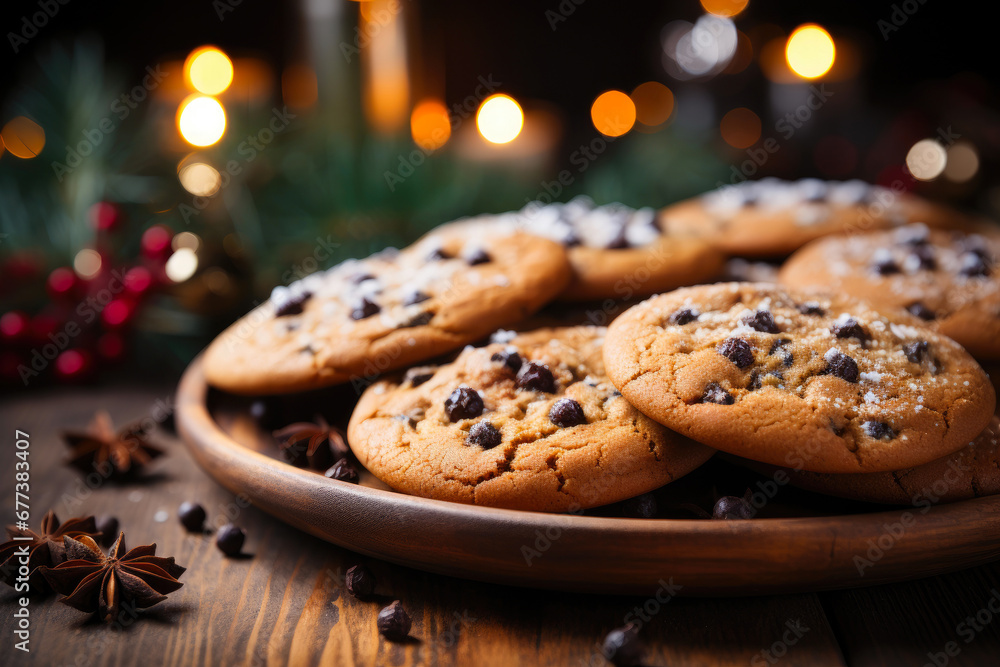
(164, 165)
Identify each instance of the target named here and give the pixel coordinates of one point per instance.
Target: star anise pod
(44, 548)
(315, 445)
(102, 585)
(115, 454)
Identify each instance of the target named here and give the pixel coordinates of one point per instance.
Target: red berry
(14, 325)
(62, 283)
(156, 241)
(104, 216)
(73, 364)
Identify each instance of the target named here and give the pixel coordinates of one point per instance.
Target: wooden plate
(601, 554)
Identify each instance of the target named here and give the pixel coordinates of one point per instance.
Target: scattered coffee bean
(485, 435)
(811, 308)
(536, 377)
(418, 375)
(622, 646)
(916, 352)
(848, 327)
(230, 539)
(878, 430)
(342, 471)
(737, 350)
(972, 265)
(641, 507)
(293, 305)
(509, 357)
(393, 622)
(364, 308)
(108, 526)
(414, 297)
(463, 403)
(921, 311)
(714, 393)
(360, 582)
(732, 507)
(566, 412)
(193, 516)
(683, 316)
(477, 256)
(761, 320)
(841, 365)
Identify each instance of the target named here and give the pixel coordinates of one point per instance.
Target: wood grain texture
(286, 603)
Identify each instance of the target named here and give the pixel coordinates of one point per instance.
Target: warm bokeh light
(385, 82)
(500, 119)
(182, 265)
(23, 137)
(740, 128)
(725, 8)
(613, 113)
(208, 70)
(299, 87)
(201, 120)
(963, 162)
(200, 179)
(87, 263)
(926, 160)
(743, 55)
(653, 103)
(810, 51)
(188, 240)
(430, 125)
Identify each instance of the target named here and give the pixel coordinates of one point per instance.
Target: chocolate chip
(761, 320)
(418, 320)
(716, 394)
(732, 508)
(566, 412)
(683, 316)
(922, 258)
(360, 582)
(976, 244)
(737, 350)
(619, 240)
(622, 646)
(883, 263)
(477, 256)
(463, 403)
(878, 430)
(913, 235)
(571, 239)
(508, 357)
(972, 265)
(848, 327)
(778, 344)
(641, 507)
(841, 365)
(437, 255)
(393, 622)
(107, 526)
(364, 308)
(343, 471)
(415, 296)
(916, 352)
(192, 516)
(293, 305)
(757, 379)
(408, 420)
(360, 277)
(485, 435)
(921, 311)
(811, 308)
(230, 539)
(418, 375)
(537, 377)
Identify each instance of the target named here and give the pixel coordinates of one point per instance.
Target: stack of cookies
(855, 372)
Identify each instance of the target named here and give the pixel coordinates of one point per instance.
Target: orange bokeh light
(430, 125)
(654, 103)
(23, 137)
(726, 8)
(740, 128)
(613, 113)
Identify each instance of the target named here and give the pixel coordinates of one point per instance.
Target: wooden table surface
(286, 604)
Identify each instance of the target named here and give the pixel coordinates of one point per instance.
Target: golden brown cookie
(971, 472)
(530, 421)
(388, 311)
(780, 376)
(616, 252)
(947, 278)
(772, 218)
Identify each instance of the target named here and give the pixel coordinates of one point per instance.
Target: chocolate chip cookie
(388, 311)
(616, 252)
(775, 376)
(949, 279)
(529, 421)
(772, 217)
